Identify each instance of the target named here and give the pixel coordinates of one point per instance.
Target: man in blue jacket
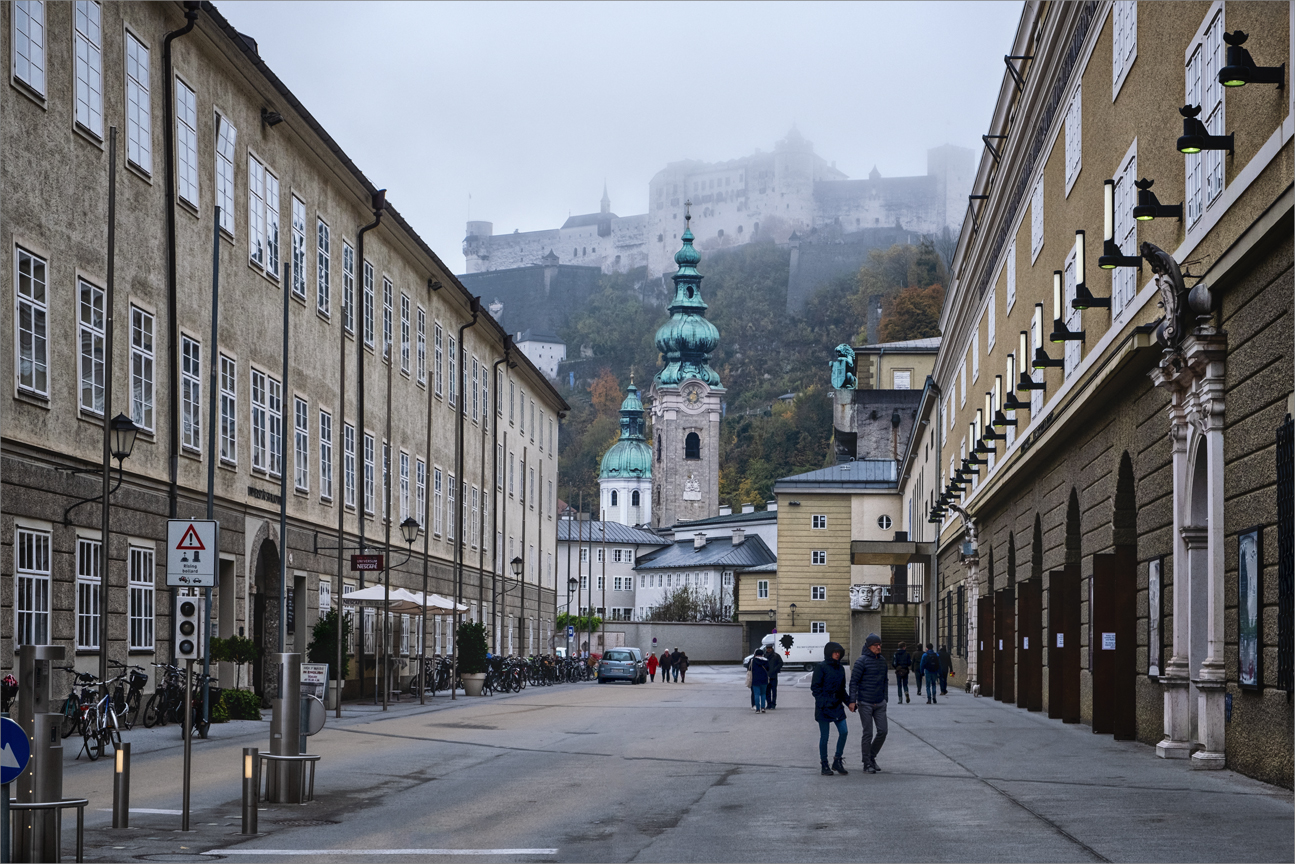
(869, 688)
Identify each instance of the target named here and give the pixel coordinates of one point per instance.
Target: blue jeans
(675, 670)
(758, 690)
(932, 683)
(824, 729)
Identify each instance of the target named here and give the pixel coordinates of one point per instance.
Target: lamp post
(516, 566)
(572, 582)
(793, 615)
(121, 441)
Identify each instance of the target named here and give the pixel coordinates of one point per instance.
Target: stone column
(1177, 743)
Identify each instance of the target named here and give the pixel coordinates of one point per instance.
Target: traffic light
(187, 630)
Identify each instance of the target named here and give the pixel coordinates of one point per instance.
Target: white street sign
(192, 552)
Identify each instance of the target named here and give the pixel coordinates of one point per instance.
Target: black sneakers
(839, 767)
(826, 772)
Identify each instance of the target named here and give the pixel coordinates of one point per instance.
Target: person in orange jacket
(652, 664)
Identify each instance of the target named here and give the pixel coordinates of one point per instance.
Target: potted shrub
(471, 648)
(323, 649)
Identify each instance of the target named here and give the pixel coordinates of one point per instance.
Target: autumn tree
(913, 313)
(606, 393)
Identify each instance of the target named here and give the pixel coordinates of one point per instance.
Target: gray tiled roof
(718, 552)
(862, 473)
(755, 516)
(592, 532)
(930, 343)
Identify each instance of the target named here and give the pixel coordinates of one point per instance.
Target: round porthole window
(883, 522)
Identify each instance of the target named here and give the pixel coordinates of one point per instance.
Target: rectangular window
(438, 508)
(1074, 318)
(511, 472)
(323, 268)
(1036, 342)
(190, 393)
(476, 381)
(92, 336)
(228, 410)
(452, 514)
(256, 212)
(186, 142)
(325, 597)
(274, 412)
(962, 380)
(348, 288)
(454, 371)
(139, 114)
(298, 260)
(386, 317)
(1036, 221)
(367, 312)
(532, 419)
(818, 592)
(499, 392)
(368, 473)
(348, 463)
(512, 397)
(1124, 280)
(29, 51)
(420, 353)
(141, 368)
(89, 67)
(88, 563)
(33, 321)
(818, 556)
(325, 456)
(818, 627)
(1124, 41)
(404, 333)
(438, 360)
(991, 325)
(975, 356)
(474, 528)
(1205, 174)
(31, 587)
(1011, 276)
(531, 481)
(404, 486)
(301, 444)
(485, 397)
(142, 578)
(819, 520)
(499, 467)
(1074, 138)
(420, 493)
(226, 138)
(762, 589)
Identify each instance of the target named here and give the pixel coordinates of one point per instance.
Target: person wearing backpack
(901, 662)
(931, 673)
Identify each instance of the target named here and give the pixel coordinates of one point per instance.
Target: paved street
(688, 773)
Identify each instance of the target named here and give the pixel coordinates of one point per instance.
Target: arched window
(658, 448)
(634, 498)
(692, 446)
(614, 497)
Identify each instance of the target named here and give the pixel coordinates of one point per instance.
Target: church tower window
(634, 499)
(692, 446)
(615, 498)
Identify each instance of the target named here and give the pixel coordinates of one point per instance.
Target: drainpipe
(460, 523)
(494, 492)
(379, 204)
(173, 324)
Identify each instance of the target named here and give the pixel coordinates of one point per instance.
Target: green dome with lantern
(687, 340)
(630, 456)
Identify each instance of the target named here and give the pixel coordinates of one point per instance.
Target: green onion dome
(630, 456)
(687, 340)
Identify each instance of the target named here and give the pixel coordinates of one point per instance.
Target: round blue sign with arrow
(15, 750)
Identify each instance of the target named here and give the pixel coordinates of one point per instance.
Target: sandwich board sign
(192, 552)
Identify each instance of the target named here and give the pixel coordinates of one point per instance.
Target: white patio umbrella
(403, 601)
(437, 603)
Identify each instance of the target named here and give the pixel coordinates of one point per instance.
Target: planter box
(473, 682)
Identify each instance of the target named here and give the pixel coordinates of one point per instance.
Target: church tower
(686, 397)
(625, 475)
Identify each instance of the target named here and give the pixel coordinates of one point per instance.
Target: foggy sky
(516, 113)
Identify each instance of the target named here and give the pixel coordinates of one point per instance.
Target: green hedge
(240, 705)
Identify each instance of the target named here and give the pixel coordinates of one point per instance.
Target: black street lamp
(793, 615)
(121, 438)
(409, 530)
(516, 565)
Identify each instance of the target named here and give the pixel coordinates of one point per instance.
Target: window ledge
(146, 176)
(88, 136)
(30, 92)
(34, 399)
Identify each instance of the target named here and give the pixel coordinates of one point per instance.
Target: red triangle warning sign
(191, 540)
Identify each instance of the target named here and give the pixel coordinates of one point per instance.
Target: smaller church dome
(630, 456)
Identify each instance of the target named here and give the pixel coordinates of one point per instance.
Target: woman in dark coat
(759, 680)
(664, 665)
(831, 698)
(681, 663)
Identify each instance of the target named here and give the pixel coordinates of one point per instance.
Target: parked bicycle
(92, 713)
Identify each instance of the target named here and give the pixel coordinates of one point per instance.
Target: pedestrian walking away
(666, 660)
(681, 663)
(775, 666)
(651, 667)
(831, 698)
(901, 662)
(945, 665)
(759, 679)
(929, 669)
(674, 665)
(869, 689)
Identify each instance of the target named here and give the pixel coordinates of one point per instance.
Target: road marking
(358, 852)
(147, 810)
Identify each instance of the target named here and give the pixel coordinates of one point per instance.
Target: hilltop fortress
(764, 196)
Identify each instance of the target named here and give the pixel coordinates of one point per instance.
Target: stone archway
(265, 609)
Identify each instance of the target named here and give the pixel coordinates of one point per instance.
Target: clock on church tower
(686, 398)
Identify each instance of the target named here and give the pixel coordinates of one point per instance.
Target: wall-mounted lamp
(1241, 69)
(1026, 381)
(1196, 137)
(793, 503)
(984, 441)
(1149, 206)
(1112, 257)
(793, 614)
(1060, 332)
(1041, 358)
(991, 434)
(1001, 420)
(270, 118)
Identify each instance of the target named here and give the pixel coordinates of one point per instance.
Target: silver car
(622, 664)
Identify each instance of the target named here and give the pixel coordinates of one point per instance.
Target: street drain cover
(178, 856)
(304, 823)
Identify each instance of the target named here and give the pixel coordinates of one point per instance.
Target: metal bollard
(121, 788)
(251, 788)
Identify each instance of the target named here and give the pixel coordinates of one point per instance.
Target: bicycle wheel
(153, 711)
(132, 710)
(93, 744)
(111, 732)
(71, 716)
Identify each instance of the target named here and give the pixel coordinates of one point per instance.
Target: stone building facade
(203, 122)
(1112, 443)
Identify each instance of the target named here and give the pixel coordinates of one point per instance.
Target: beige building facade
(467, 424)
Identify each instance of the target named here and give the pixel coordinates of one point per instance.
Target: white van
(806, 649)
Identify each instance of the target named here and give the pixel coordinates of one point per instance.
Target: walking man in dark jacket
(901, 663)
(830, 701)
(945, 665)
(666, 660)
(930, 672)
(869, 688)
(775, 666)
